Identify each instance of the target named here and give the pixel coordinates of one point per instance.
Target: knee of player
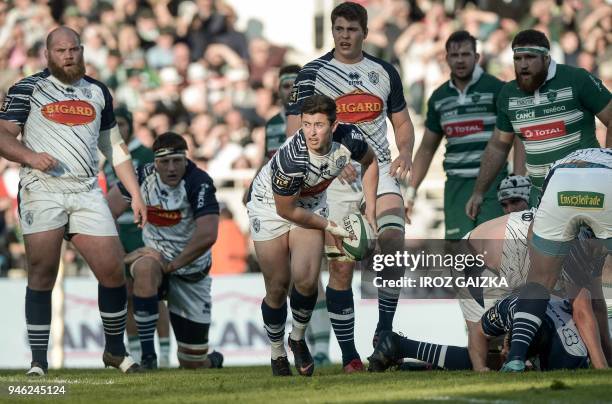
(391, 231)
(146, 270)
(341, 271)
(306, 287)
(277, 293)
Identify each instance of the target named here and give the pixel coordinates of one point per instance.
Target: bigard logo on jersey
(163, 218)
(71, 113)
(357, 107)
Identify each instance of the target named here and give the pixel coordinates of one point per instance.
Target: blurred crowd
(182, 65)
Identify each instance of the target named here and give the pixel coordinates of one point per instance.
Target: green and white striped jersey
(467, 119)
(557, 119)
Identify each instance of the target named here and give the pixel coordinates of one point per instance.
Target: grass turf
(329, 385)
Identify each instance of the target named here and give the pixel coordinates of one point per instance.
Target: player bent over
(287, 209)
(175, 261)
(577, 191)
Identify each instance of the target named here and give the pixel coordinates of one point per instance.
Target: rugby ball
(363, 243)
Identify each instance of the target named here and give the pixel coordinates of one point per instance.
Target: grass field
(255, 384)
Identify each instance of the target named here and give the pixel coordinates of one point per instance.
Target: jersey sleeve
(107, 119)
(432, 121)
(16, 105)
(201, 193)
(591, 92)
(503, 120)
(287, 170)
(303, 87)
(396, 101)
(353, 139)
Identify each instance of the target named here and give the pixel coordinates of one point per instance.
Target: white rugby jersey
(585, 158)
(365, 93)
(64, 121)
(295, 169)
(171, 212)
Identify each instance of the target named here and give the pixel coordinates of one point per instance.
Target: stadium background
(207, 69)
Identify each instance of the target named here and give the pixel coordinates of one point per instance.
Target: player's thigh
(306, 249)
(191, 300)
(90, 215)
(104, 255)
(43, 251)
(40, 212)
(273, 259)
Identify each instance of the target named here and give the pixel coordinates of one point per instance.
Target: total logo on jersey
(357, 107)
(465, 128)
(71, 113)
(545, 131)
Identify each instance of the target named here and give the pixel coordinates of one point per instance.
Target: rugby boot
(304, 364)
(124, 363)
(280, 366)
(36, 370)
(386, 352)
(216, 360)
(148, 362)
(513, 366)
(354, 366)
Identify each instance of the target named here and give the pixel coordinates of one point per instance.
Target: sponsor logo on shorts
(28, 217)
(581, 199)
(357, 107)
(543, 132)
(163, 218)
(71, 113)
(256, 225)
(465, 128)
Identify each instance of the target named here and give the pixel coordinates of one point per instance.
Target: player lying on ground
(174, 264)
(287, 210)
(557, 346)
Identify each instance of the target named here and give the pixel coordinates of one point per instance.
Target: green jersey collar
(476, 75)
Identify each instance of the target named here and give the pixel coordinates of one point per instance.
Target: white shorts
(573, 197)
(82, 212)
(514, 263)
(265, 224)
(190, 300)
(343, 199)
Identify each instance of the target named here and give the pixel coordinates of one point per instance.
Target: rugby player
(576, 192)
(64, 117)
(513, 193)
(367, 91)
(176, 259)
(463, 110)
(287, 209)
(550, 107)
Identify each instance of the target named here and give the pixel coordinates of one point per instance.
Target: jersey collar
(552, 71)
(476, 75)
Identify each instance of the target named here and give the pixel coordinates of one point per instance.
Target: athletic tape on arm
(111, 145)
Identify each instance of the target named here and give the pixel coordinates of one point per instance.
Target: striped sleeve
(16, 104)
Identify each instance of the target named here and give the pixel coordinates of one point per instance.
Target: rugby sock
(341, 309)
(134, 347)
(301, 308)
(442, 356)
(387, 304)
(530, 309)
(274, 324)
(38, 321)
(112, 303)
(164, 350)
(146, 314)
(320, 328)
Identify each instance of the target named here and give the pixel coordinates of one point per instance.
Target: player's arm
(582, 313)
(112, 146)
(369, 166)
(478, 346)
(13, 150)
(116, 202)
(493, 159)
(293, 124)
(404, 139)
(605, 116)
(519, 158)
(600, 309)
(286, 207)
(420, 166)
(203, 238)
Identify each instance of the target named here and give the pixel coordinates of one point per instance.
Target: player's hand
(140, 210)
(400, 168)
(472, 207)
(336, 231)
(348, 175)
(409, 207)
(142, 252)
(42, 161)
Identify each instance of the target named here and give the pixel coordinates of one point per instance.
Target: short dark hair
(530, 37)
(320, 103)
(461, 36)
(169, 140)
(351, 12)
(289, 69)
